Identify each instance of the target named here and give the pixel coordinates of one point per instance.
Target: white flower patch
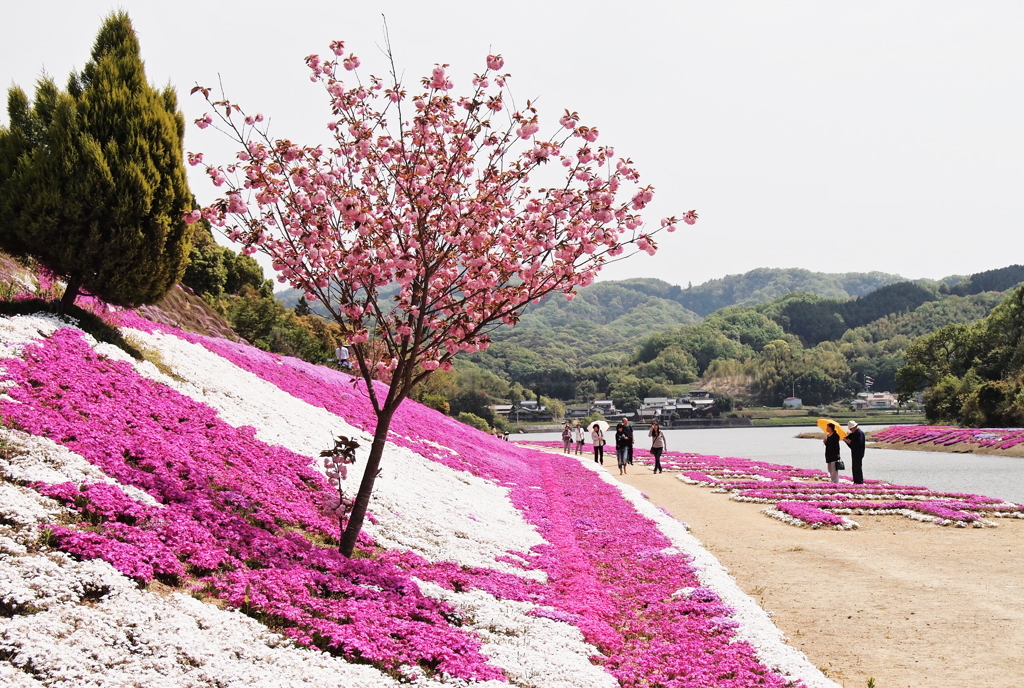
(533, 652)
(14, 678)
(135, 638)
(21, 510)
(755, 626)
(691, 481)
(448, 515)
(31, 584)
(19, 330)
(39, 459)
(438, 512)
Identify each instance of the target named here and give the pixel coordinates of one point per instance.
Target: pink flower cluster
(240, 519)
(944, 435)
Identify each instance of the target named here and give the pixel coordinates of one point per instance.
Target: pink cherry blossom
(342, 222)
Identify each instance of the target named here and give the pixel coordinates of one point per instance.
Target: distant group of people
(855, 440)
(573, 439)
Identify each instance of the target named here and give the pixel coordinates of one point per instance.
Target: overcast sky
(824, 135)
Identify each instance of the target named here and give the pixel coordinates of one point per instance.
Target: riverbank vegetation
(971, 374)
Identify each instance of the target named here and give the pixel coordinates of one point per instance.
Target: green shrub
(474, 420)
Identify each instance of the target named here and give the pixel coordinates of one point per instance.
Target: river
(992, 476)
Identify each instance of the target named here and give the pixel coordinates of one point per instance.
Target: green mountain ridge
(773, 331)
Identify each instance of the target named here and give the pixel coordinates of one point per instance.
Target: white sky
(825, 135)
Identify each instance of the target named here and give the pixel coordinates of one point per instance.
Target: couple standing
(856, 442)
(624, 445)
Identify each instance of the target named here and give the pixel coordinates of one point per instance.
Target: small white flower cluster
(755, 626)
(19, 330)
(699, 483)
(1015, 514)
(737, 497)
(847, 524)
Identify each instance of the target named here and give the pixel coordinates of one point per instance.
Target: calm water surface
(992, 476)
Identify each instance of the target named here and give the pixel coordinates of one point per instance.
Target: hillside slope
(164, 522)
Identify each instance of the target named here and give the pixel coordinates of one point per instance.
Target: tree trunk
(70, 294)
(362, 501)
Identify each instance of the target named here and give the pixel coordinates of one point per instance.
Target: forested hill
(776, 330)
(761, 286)
(749, 289)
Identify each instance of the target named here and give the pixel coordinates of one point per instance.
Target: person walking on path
(566, 438)
(597, 437)
(832, 452)
(856, 440)
(341, 355)
(577, 437)
(624, 444)
(657, 445)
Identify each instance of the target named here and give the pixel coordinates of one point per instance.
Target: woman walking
(566, 438)
(657, 445)
(832, 451)
(597, 437)
(578, 437)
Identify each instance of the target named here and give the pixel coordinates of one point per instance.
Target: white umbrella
(603, 424)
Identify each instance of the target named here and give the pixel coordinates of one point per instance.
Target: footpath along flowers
(180, 496)
(807, 497)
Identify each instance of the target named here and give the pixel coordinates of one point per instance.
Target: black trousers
(657, 458)
(858, 472)
(598, 453)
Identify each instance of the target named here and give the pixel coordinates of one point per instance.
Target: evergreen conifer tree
(92, 179)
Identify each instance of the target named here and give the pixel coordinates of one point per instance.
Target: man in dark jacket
(856, 441)
(624, 442)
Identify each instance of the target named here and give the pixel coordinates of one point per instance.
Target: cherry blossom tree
(419, 227)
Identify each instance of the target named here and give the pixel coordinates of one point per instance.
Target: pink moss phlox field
(609, 573)
(808, 495)
(998, 438)
(235, 511)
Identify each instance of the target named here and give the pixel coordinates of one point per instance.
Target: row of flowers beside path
(164, 522)
(947, 436)
(807, 497)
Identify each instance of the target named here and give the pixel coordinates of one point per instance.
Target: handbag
(840, 466)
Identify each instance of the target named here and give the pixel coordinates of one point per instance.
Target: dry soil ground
(910, 604)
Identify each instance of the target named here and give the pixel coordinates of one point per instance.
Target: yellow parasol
(823, 424)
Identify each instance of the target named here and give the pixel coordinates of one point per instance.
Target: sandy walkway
(909, 604)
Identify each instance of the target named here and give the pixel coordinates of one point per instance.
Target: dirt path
(909, 604)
